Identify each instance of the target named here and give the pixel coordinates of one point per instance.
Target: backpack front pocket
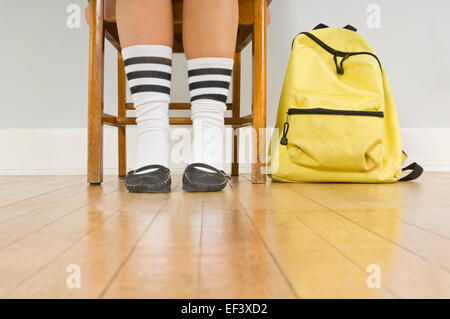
(328, 139)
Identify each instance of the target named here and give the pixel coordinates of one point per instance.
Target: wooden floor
(250, 241)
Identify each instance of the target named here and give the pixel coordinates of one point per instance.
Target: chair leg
(121, 112)
(259, 91)
(96, 78)
(236, 112)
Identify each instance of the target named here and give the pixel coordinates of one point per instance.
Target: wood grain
(236, 112)
(176, 106)
(259, 91)
(249, 241)
(121, 112)
(116, 121)
(96, 84)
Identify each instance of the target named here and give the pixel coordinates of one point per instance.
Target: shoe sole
(188, 187)
(202, 189)
(148, 188)
(145, 189)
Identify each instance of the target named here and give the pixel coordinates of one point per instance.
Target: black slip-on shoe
(158, 181)
(197, 180)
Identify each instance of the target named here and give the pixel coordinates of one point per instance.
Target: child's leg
(209, 36)
(146, 36)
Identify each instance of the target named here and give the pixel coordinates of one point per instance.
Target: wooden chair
(252, 26)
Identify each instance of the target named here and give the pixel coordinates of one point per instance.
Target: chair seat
(244, 31)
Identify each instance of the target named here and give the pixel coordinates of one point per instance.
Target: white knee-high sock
(209, 84)
(149, 73)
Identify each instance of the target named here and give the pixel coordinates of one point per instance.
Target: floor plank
(315, 268)
(63, 203)
(417, 238)
(164, 264)
(19, 193)
(234, 258)
(27, 257)
(403, 270)
(249, 241)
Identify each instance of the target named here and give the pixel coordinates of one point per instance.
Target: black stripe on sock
(148, 59)
(149, 74)
(209, 84)
(209, 71)
(216, 97)
(150, 88)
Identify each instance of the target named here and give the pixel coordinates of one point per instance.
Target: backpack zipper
(337, 53)
(335, 112)
(322, 111)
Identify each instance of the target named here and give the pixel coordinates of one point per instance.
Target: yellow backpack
(337, 120)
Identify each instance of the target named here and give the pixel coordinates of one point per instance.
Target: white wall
(43, 64)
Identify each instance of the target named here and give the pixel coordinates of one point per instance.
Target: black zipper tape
(322, 111)
(337, 53)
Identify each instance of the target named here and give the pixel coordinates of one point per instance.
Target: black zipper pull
(284, 140)
(340, 68)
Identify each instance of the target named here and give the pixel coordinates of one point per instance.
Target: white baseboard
(64, 151)
(430, 147)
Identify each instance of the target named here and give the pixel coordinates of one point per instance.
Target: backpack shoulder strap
(416, 171)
